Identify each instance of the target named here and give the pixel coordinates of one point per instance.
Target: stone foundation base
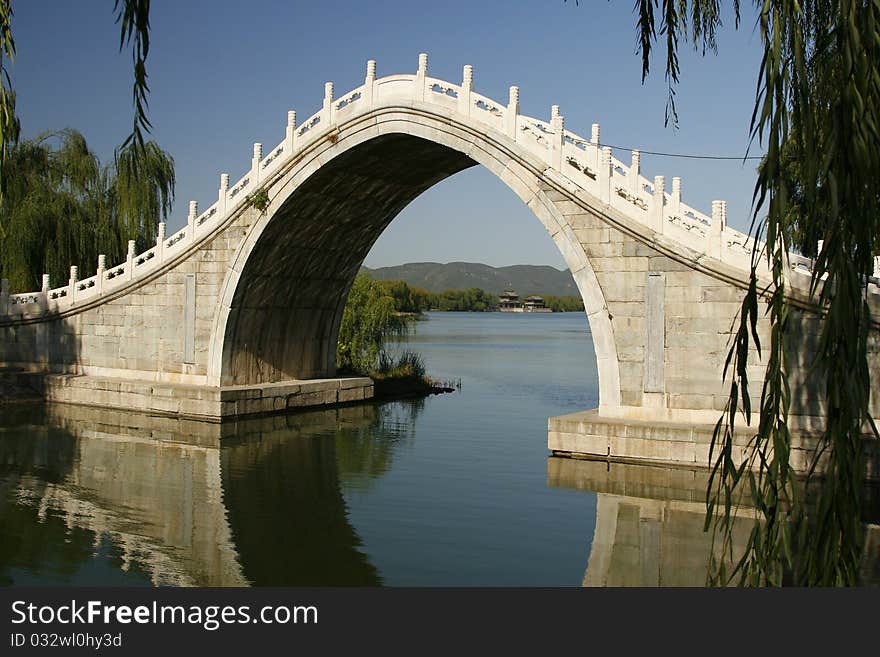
(588, 434)
(200, 402)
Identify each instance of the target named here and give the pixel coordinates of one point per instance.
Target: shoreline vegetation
(372, 317)
(379, 311)
(411, 300)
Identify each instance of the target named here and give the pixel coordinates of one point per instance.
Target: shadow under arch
(282, 301)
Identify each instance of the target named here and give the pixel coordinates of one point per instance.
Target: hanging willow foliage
(133, 18)
(816, 113)
(62, 207)
(9, 126)
(142, 190)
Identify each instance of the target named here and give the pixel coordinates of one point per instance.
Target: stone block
(634, 248)
(589, 236)
(351, 394)
(577, 443)
(722, 293)
(626, 308)
(691, 401)
(619, 264)
(605, 250)
(661, 263)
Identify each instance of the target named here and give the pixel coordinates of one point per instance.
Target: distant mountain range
(523, 279)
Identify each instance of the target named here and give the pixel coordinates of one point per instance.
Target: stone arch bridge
(238, 312)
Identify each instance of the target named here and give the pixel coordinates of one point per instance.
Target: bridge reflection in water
(165, 501)
(180, 502)
(649, 523)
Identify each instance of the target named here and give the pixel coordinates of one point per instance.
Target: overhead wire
(684, 155)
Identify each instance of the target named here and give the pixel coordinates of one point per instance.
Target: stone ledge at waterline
(591, 435)
(201, 402)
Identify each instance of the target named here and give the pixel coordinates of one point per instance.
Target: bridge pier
(199, 402)
(589, 434)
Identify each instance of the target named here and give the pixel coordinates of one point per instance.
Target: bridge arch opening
(282, 302)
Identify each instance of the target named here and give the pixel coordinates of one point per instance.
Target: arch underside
(284, 317)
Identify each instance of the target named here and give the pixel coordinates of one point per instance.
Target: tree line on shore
(410, 299)
(377, 312)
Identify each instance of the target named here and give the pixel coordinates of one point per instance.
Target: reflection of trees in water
(156, 498)
(281, 489)
(282, 481)
(35, 541)
(29, 446)
(365, 453)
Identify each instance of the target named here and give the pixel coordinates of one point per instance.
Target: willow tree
(63, 207)
(816, 106)
(58, 206)
(369, 320)
(133, 19)
(9, 126)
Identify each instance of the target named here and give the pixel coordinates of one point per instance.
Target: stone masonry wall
(140, 334)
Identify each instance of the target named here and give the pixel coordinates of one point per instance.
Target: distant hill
(523, 279)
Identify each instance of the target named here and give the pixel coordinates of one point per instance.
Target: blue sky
(223, 75)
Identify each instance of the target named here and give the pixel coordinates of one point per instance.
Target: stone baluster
(634, 175)
(44, 292)
(419, 84)
(102, 269)
(191, 220)
(593, 159)
(129, 260)
(255, 163)
(4, 296)
(557, 122)
(328, 112)
(604, 175)
(71, 284)
(369, 83)
(510, 117)
(223, 193)
(160, 242)
(675, 201)
(658, 204)
(290, 135)
(467, 88)
(716, 234)
(876, 266)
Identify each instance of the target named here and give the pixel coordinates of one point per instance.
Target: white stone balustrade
(587, 163)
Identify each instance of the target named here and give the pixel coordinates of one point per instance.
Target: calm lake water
(455, 489)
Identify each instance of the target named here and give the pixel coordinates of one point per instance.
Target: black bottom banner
(226, 621)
